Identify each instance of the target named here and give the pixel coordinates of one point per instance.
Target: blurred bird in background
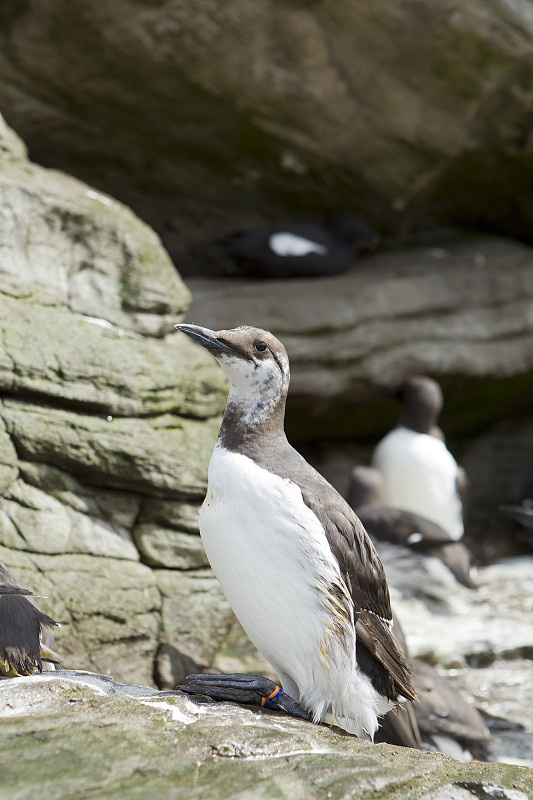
(419, 472)
(419, 556)
(301, 249)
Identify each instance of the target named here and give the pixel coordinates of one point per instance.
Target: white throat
(255, 406)
(255, 388)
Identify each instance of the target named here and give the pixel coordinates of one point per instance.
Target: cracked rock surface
(461, 312)
(90, 736)
(107, 421)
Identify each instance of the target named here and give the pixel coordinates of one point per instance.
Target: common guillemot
(301, 249)
(419, 556)
(419, 472)
(22, 626)
(294, 562)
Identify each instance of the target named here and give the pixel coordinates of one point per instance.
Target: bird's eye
(261, 346)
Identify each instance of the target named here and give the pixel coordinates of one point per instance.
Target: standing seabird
(22, 626)
(419, 556)
(419, 472)
(301, 249)
(295, 563)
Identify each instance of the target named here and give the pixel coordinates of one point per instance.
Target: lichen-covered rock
(167, 454)
(89, 735)
(107, 421)
(8, 460)
(196, 621)
(33, 520)
(59, 237)
(166, 534)
(49, 350)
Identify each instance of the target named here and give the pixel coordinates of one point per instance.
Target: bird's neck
(247, 424)
(421, 421)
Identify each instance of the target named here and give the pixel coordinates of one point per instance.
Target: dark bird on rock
(447, 720)
(294, 561)
(301, 249)
(419, 472)
(524, 515)
(419, 556)
(22, 626)
(444, 720)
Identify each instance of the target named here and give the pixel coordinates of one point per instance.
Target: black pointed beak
(205, 337)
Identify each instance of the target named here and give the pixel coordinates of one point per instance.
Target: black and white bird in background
(293, 559)
(24, 643)
(301, 249)
(419, 556)
(419, 472)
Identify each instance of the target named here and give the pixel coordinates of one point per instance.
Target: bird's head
(255, 363)
(422, 399)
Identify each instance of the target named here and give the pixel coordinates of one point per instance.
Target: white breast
(270, 554)
(419, 475)
(287, 244)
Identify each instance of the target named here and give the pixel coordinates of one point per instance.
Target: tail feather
(377, 638)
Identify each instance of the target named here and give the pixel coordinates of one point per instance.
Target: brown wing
(359, 562)
(364, 576)
(400, 727)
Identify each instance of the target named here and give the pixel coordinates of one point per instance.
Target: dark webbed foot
(251, 690)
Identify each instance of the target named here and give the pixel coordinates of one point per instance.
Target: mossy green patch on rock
(169, 457)
(96, 256)
(53, 354)
(161, 547)
(86, 742)
(8, 459)
(33, 520)
(196, 620)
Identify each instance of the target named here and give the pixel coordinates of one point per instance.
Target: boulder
(107, 421)
(89, 735)
(206, 118)
(196, 622)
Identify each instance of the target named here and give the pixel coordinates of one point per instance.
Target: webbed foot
(250, 690)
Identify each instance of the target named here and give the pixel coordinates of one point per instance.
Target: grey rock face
(90, 735)
(212, 109)
(107, 421)
(463, 310)
(196, 621)
(500, 463)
